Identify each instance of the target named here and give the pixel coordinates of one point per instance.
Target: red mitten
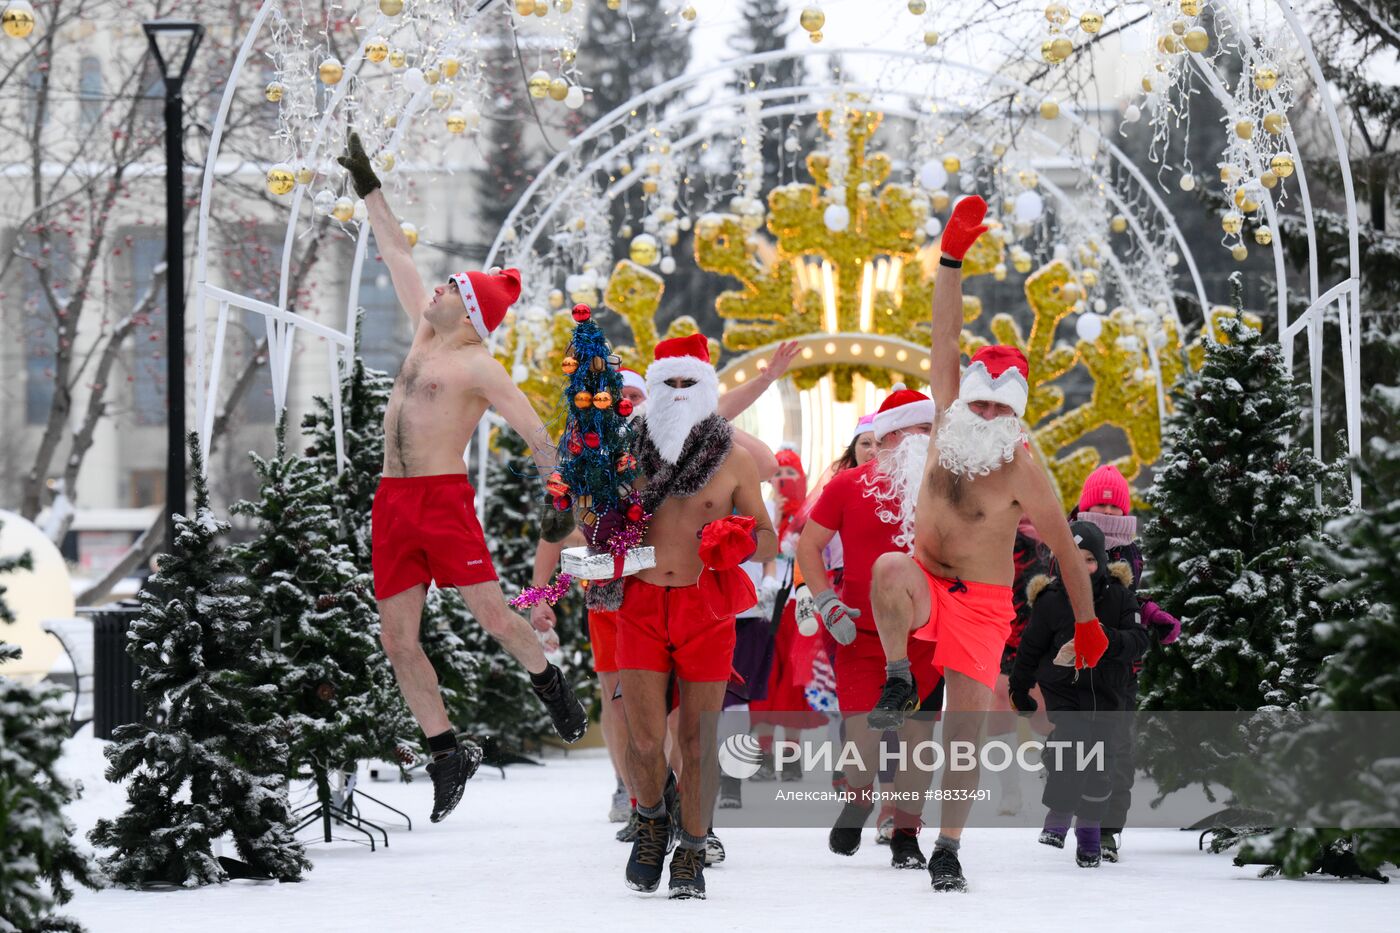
(727, 542)
(964, 227)
(1090, 643)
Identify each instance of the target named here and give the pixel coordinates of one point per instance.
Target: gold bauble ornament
(614, 4)
(1191, 7)
(650, 185)
(563, 6)
(1028, 178)
(450, 67)
(525, 7)
(410, 233)
(812, 19)
(930, 38)
(376, 50)
(1178, 27)
(815, 36)
(456, 123)
(558, 89)
(1169, 44)
(1049, 54)
(1240, 252)
(1244, 129)
(939, 201)
(1118, 223)
(1147, 85)
(1196, 39)
(556, 297)
(603, 400)
(1266, 77)
(305, 175)
(644, 250)
(583, 399)
(1227, 173)
(1089, 277)
(397, 58)
(1063, 47)
(1091, 21)
(1281, 165)
(391, 7)
(688, 14)
(432, 76)
(343, 210)
(1267, 178)
(541, 8)
(570, 365)
(1057, 14)
(1275, 123)
(1263, 236)
(918, 7)
(1022, 262)
(951, 164)
(999, 272)
(442, 98)
(1232, 223)
(274, 91)
(331, 71)
(280, 179)
(1049, 109)
(539, 85)
(19, 19)
(385, 161)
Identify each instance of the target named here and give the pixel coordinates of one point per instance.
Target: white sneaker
(621, 808)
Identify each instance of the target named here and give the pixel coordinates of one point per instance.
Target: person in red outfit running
(960, 496)
(849, 507)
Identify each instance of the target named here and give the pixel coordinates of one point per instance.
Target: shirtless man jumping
(425, 528)
(674, 620)
(960, 495)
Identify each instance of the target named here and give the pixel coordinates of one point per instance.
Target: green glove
(357, 164)
(555, 524)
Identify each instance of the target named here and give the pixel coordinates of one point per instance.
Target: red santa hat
(997, 374)
(903, 408)
(631, 379)
(682, 358)
(488, 296)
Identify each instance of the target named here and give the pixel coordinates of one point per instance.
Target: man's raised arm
(388, 233)
(964, 227)
(512, 405)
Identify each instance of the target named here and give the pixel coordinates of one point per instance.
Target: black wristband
(950, 262)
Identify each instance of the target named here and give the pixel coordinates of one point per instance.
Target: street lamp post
(173, 44)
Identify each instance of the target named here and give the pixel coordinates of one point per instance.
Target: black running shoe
(570, 720)
(1109, 847)
(904, 849)
(450, 774)
(671, 797)
(899, 698)
(714, 849)
(945, 871)
(844, 838)
(629, 832)
(766, 770)
(731, 795)
(1053, 838)
(1087, 858)
(648, 853)
(688, 874)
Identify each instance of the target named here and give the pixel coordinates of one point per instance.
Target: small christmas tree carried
(210, 755)
(36, 841)
(596, 467)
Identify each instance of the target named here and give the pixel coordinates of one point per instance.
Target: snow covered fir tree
(1233, 541)
(315, 611)
(208, 759)
(37, 854)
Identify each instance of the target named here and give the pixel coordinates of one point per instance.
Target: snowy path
(534, 852)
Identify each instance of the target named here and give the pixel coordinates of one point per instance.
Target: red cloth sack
(724, 545)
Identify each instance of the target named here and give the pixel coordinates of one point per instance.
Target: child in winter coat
(1105, 500)
(1082, 704)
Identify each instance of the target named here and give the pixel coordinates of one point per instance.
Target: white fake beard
(899, 479)
(970, 445)
(672, 413)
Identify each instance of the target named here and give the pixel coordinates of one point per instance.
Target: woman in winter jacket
(1083, 705)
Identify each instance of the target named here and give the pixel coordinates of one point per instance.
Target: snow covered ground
(534, 851)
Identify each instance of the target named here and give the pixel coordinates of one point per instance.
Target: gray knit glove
(838, 618)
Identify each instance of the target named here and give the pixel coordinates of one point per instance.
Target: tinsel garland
(533, 595)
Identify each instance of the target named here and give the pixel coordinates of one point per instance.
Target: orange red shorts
(860, 671)
(672, 628)
(968, 623)
(602, 637)
(424, 530)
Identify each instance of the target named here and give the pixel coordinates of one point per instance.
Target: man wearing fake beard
(960, 496)
(708, 516)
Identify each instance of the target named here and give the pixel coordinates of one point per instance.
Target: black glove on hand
(555, 524)
(356, 162)
(1025, 704)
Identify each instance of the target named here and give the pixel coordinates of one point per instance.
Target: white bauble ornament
(414, 81)
(1029, 205)
(1089, 326)
(837, 218)
(933, 176)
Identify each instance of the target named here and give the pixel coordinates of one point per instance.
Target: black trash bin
(114, 699)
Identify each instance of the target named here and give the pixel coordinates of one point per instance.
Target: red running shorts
(665, 628)
(424, 530)
(602, 636)
(860, 671)
(968, 622)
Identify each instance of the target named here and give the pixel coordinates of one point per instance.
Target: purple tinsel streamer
(533, 595)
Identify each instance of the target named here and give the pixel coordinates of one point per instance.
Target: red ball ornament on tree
(634, 513)
(624, 407)
(582, 313)
(575, 447)
(592, 439)
(563, 504)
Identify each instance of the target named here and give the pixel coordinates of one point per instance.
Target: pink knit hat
(1105, 486)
